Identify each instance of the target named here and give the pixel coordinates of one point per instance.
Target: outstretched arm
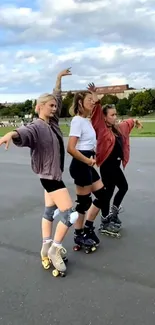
(57, 92)
(129, 124)
(23, 136)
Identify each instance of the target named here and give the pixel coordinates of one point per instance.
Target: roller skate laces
(57, 260)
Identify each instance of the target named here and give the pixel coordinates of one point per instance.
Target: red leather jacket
(106, 138)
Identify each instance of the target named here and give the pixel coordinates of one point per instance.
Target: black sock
(89, 224)
(78, 232)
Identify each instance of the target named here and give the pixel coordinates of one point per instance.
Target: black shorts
(83, 174)
(51, 185)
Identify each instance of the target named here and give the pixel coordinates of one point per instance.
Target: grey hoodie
(46, 144)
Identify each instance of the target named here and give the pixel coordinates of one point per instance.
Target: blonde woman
(44, 138)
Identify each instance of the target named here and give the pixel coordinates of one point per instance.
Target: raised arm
(97, 117)
(57, 92)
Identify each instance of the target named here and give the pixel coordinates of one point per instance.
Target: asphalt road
(115, 285)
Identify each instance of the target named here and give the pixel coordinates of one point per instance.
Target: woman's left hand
(66, 72)
(91, 87)
(138, 124)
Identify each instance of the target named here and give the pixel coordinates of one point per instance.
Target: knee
(50, 213)
(69, 217)
(83, 203)
(100, 197)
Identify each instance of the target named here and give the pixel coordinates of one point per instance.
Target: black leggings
(112, 176)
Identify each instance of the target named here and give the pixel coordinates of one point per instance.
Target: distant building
(121, 91)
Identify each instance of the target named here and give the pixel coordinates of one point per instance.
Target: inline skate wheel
(76, 248)
(55, 273)
(93, 249)
(62, 274)
(87, 250)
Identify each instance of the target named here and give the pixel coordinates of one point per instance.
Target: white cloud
(105, 41)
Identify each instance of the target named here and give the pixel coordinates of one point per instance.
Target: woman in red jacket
(112, 150)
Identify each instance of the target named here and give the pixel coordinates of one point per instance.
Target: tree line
(137, 104)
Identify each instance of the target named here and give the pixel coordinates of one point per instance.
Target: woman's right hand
(7, 138)
(91, 161)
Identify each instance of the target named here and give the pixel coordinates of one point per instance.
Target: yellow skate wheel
(46, 263)
(55, 273)
(93, 249)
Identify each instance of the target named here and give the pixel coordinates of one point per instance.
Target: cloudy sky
(105, 41)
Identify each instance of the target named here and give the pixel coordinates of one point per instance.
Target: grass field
(147, 131)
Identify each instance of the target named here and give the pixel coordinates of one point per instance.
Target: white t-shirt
(82, 128)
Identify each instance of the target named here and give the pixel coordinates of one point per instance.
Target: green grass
(64, 129)
(147, 131)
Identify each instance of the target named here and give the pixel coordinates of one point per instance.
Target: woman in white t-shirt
(81, 146)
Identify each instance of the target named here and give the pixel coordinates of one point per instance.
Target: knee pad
(50, 213)
(100, 197)
(69, 217)
(83, 203)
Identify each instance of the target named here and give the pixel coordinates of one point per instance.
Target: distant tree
(5, 111)
(2, 106)
(130, 98)
(123, 106)
(142, 103)
(66, 104)
(109, 99)
(28, 106)
(152, 93)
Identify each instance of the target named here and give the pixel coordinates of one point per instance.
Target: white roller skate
(46, 263)
(55, 256)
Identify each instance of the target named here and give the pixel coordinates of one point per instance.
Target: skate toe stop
(46, 263)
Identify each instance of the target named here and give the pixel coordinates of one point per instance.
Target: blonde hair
(43, 99)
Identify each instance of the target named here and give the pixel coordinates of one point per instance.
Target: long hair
(75, 108)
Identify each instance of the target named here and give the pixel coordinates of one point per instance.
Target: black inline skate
(83, 241)
(90, 233)
(109, 228)
(113, 216)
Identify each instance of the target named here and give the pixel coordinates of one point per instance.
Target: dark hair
(74, 109)
(106, 108)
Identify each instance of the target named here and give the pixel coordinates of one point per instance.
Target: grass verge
(147, 131)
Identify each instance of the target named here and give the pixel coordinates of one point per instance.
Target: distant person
(112, 150)
(44, 138)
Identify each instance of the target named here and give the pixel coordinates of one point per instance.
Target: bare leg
(46, 224)
(47, 231)
(63, 201)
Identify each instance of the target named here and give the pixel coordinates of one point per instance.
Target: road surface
(115, 285)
